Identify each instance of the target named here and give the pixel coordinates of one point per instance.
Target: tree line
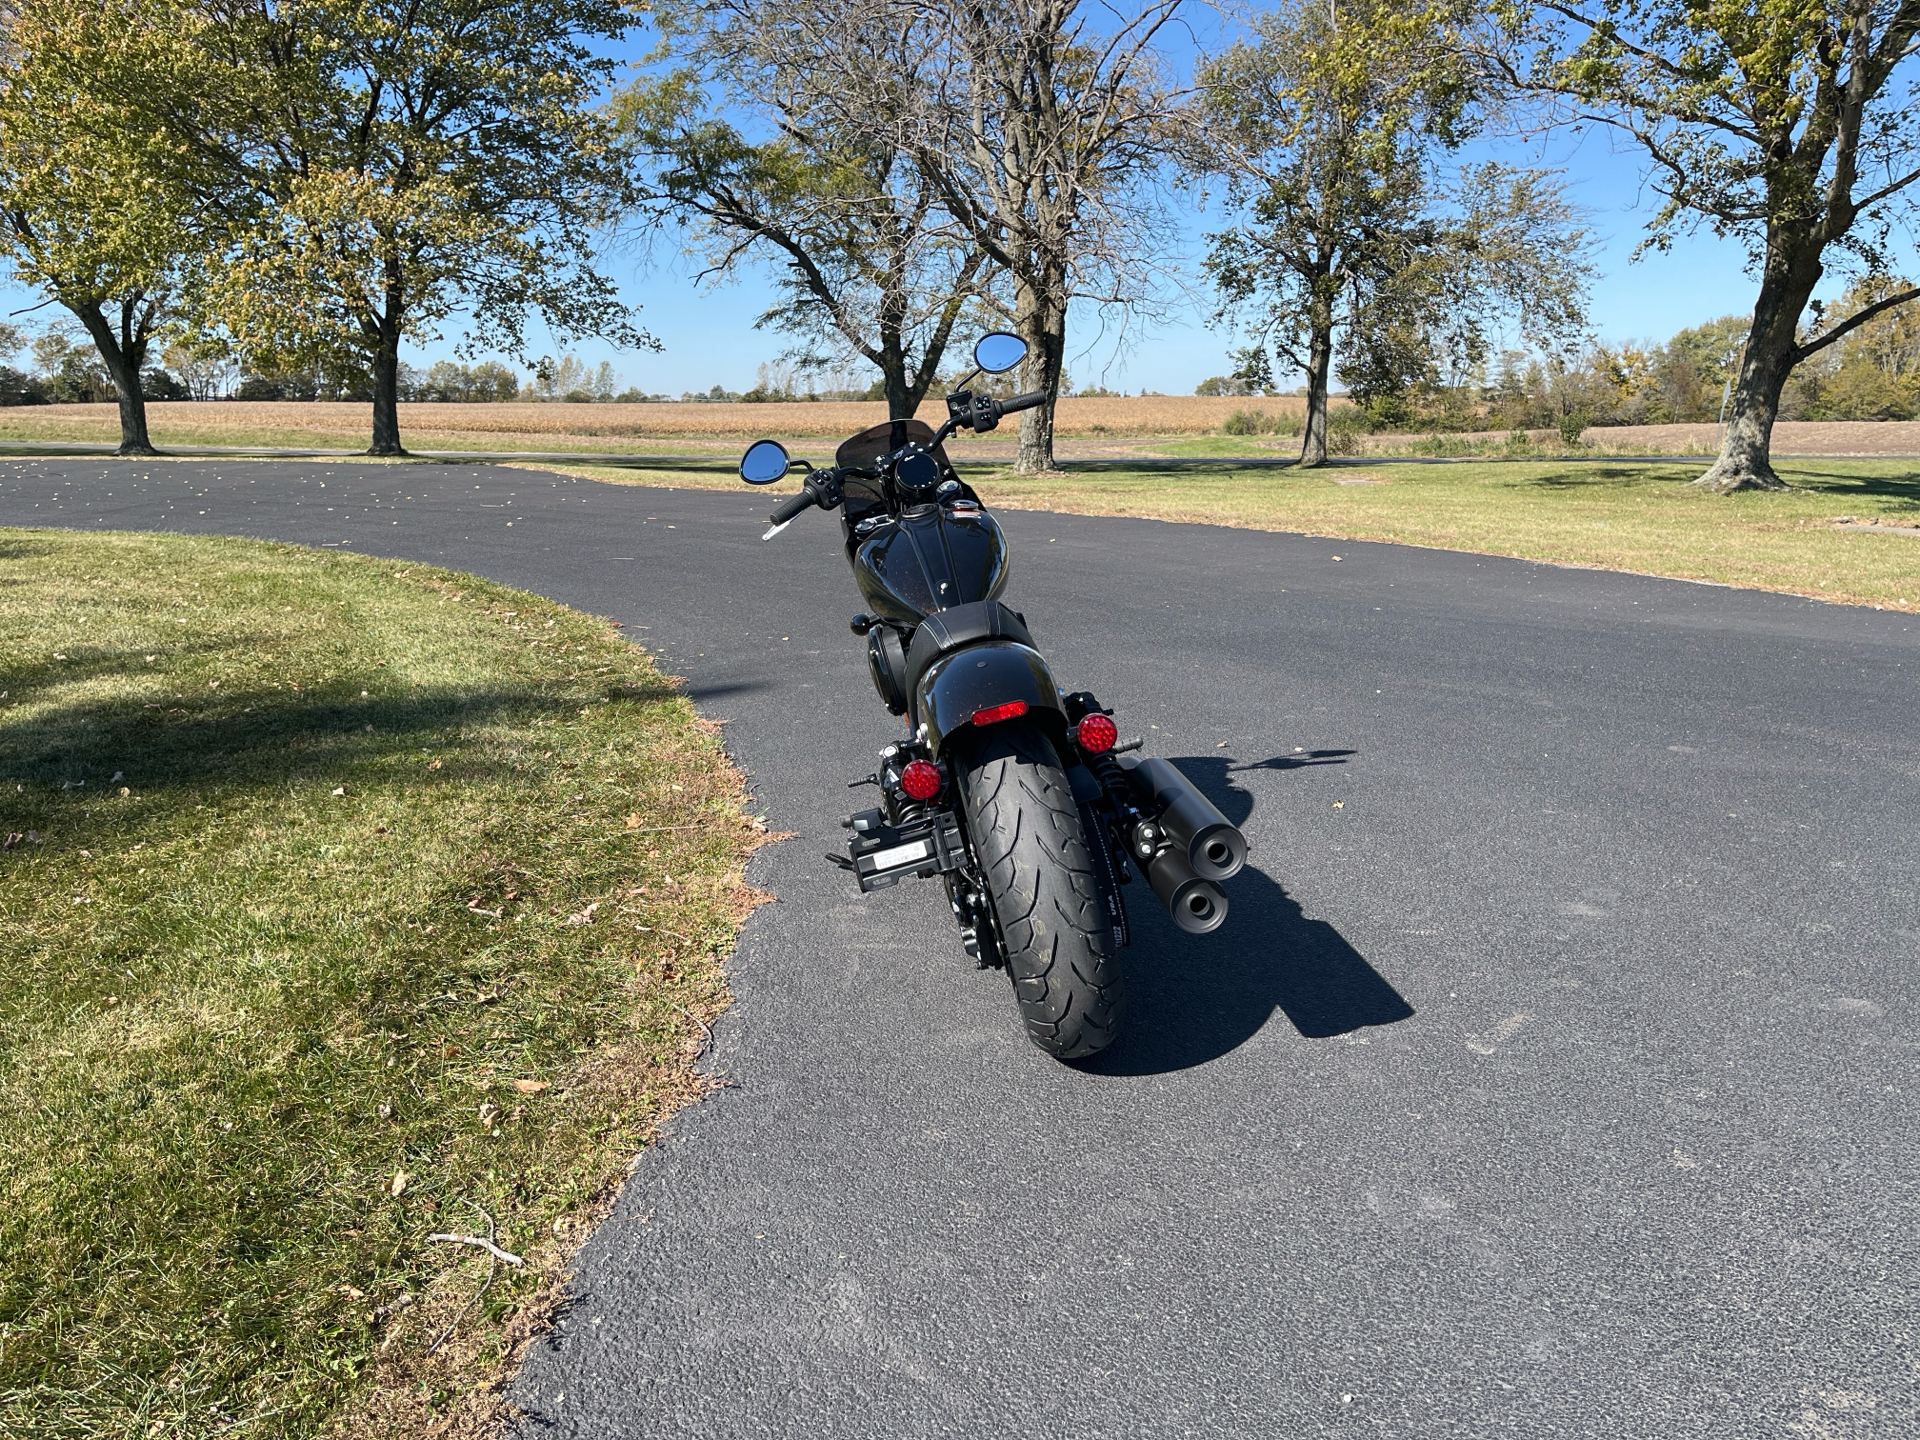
(307, 186)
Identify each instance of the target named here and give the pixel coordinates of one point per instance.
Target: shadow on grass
(1592, 475)
(258, 738)
(1904, 488)
(1196, 998)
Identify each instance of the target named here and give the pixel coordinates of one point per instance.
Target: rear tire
(1052, 921)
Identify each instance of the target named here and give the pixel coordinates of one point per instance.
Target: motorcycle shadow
(1196, 998)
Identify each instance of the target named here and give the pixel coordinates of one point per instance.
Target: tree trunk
(123, 355)
(902, 401)
(386, 402)
(1313, 435)
(1040, 319)
(1746, 458)
(386, 367)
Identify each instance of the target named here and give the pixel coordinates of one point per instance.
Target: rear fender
(997, 672)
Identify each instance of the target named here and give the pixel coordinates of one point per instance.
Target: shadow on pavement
(1196, 998)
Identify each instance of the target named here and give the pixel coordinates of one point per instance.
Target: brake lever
(775, 530)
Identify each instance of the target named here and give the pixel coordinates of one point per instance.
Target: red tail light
(1096, 734)
(1012, 710)
(920, 780)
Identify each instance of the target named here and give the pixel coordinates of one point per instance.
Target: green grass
(321, 871)
(1612, 515)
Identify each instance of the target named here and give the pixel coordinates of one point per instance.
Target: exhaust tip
(1217, 853)
(1200, 908)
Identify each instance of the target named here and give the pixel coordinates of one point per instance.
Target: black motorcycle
(1024, 801)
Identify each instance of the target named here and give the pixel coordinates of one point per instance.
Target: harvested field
(597, 427)
(1864, 438)
(1113, 428)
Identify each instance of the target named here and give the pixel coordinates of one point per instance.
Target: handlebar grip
(1022, 402)
(794, 504)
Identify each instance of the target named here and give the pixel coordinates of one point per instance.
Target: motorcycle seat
(945, 631)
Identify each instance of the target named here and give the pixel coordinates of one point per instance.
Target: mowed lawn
(346, 903)
(1612, 514)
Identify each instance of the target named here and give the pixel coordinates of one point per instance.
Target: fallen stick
(484, 1243)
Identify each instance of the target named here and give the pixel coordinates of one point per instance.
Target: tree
(869, 262)
(1328, 128)
(1046, 140)
(1774, 121)
(95, 205)
(411, 158)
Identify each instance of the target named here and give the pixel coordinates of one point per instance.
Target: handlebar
(1021, 402)
(794, 504)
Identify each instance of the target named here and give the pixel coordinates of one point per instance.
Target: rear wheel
(1046, 894)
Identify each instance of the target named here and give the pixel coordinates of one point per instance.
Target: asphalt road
(1554, 1075)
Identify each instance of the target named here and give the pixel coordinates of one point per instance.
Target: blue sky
(709, 337)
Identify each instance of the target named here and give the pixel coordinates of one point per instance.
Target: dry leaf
(584, 917)
(529, 1087)
(1339, 804)
(339, 789)
(433, 765)
(398, 1185)
(633, 822)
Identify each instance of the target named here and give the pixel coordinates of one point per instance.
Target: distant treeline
(1873, 374)
(66, 370)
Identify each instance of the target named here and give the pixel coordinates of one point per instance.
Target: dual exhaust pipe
(1187, 849)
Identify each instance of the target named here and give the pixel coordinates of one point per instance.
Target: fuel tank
(930, 558)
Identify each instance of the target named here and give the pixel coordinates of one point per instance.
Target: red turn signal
(1096, 734)
(1012, 710)
(920, 780)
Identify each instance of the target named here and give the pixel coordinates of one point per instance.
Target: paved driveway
(1555, 1074)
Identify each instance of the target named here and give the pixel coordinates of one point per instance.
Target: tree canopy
(409, 158)
(1329, 129)
(1776, 122)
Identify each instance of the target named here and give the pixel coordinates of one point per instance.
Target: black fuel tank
(931, 558)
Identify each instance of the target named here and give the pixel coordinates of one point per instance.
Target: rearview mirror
(765, 462)
(999, 352)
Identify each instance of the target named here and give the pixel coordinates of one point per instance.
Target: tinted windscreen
(864, 496)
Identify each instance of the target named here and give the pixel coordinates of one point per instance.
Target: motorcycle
(1022, 799)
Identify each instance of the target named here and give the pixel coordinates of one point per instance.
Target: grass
(346, 902)
(1642, 517)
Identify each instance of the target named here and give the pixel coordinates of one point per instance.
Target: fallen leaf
(1339, 804)
(433, 765)
(633, 822)
(339, 789)
(529, 1087)
(353, 1294)
(584, 917)
(1336, 557)
(397, 1186)
(125, 791)
(489, 1112)
(1221, 746)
